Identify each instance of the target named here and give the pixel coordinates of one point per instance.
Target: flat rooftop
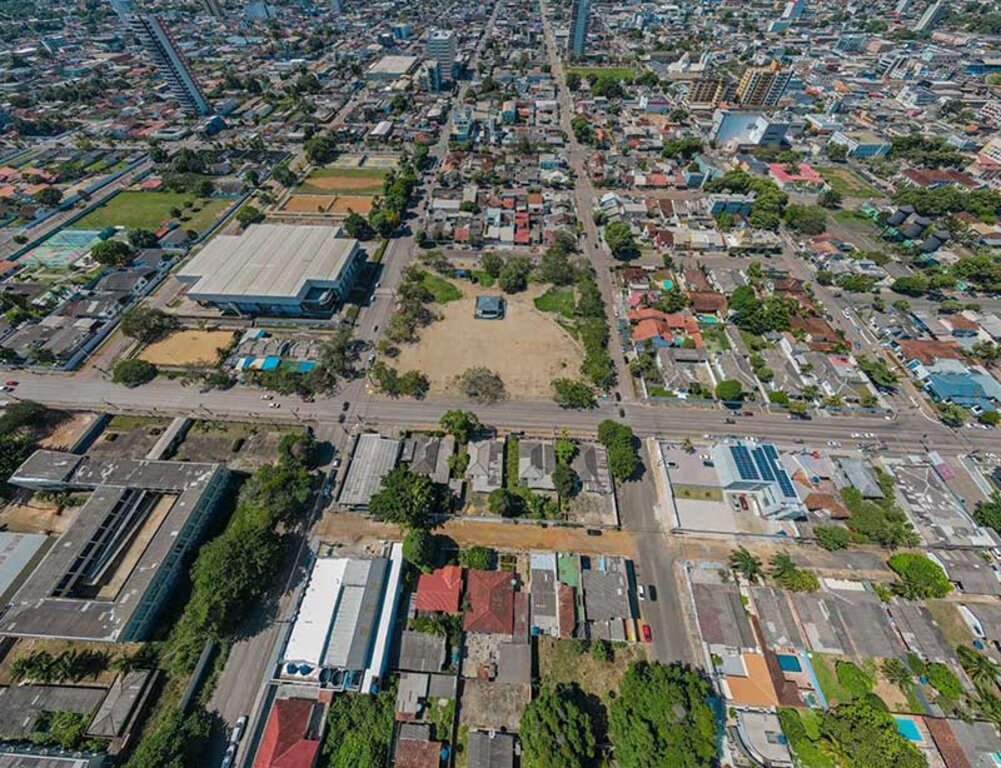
(269, 261)
(393, 65)
(90, 583)
(373, 458)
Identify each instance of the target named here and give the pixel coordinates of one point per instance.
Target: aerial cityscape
(500, 384)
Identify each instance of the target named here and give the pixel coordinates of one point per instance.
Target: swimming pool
(907, 728)
(668, 284)
(789, 663)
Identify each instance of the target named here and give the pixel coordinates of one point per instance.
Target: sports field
(358, 181)
(133, 209)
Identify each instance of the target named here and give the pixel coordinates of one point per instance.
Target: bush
(622, 447)
(920, 578)
(480, 558)
(944, 680)
(729, 391)
(111, 252)
(832, 537)
(853, 679)
(147, 324)
(132, 373)
(570, 393)
(482, 385)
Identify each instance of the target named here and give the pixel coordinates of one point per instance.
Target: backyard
(569, 661)
(149, 210)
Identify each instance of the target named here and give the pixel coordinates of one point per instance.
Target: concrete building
(391, 68)
(763, 86)
(794, 10)
(159, 45)
(755, 471)
(862, 144)
(441, 48)
(344, 621)
(214, 7)
(707, 92)
(275, 270)
(746, 129)
(932, 16)
(577, 41)
(115, 567)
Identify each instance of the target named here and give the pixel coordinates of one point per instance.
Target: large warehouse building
(275, 270)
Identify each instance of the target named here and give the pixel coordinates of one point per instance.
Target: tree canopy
(556, 730)
(406, 498)
(663, 716)
(622, 448)
(920, 577)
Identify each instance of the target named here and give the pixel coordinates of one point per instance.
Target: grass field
(823, 666)
(444, 291)
(557, 300)
(851, 217)
(847, 182)
(696, 492)
(148, 210)
(618, 73)
(355, 181)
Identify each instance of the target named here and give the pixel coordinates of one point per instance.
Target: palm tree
(747, 565)
(896, 672)
(783, 567)
(982, 670)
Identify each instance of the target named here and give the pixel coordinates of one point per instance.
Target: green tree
(564, 480)
(729, 391)
(460, 424)
(111, 252)
(571, 393)
(407, 499)
(622, 447)
(174, 741)
(132, 373)
(320, 148)
(663, 716)
(565, 449)
(477, 557)
(147, 324)
(988, 512)
(790, 576)
(944, 680)
(619, 238)
(359, 730)
(832, 537)
(556, 729)
(50, 197)
(249, 214)
(861, 733)
(919, 577)
(513, 277)
(830, 198)
(358, 227)
(982, 670)
(502, 502)
(492, 263)
(747, 564)
(142, 238)
(419, 549)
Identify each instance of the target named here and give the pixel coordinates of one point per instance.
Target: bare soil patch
(528, 349)
(183, 348)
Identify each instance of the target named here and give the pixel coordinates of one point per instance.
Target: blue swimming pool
(789, 663)
(908, 728)
(668, 284)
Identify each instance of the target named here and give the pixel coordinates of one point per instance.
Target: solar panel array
(762, 463)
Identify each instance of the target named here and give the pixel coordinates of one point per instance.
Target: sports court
(64, 248)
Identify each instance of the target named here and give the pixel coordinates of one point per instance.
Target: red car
(647, 634)
(11, 383)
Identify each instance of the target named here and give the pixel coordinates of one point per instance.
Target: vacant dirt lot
(527, 348)
(187, 348)
(242, 446)
(346, 180)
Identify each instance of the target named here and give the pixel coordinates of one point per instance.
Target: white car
(641, 592)
(274, 405)
(238, 730)
(267, 397)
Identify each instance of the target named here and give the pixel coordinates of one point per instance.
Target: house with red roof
(291, 738)
(491, 602)
(803, 176)
(440, 591)
(415, 753)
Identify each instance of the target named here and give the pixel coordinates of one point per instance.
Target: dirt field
(67, 431)
(309, 203)
(527, 348)
(357, 180)
(33, 516)
(187, 348)
(360, 204)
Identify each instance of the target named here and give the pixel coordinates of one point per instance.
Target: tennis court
(63, 248)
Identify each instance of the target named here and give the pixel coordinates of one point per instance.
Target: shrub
(853, 679)
(920, 578)
(132, 373)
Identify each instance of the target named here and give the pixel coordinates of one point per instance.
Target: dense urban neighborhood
(504, 384)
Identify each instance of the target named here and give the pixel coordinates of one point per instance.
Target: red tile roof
(928, 350)
(708, 301)
(565, 609)
(413, 753)
(284, 744)
(491, 602)
(948, 745)
(440, 590)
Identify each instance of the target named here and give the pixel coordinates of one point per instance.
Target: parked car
(641, 592)
(229, 757)
(238, 730)
(647, 633)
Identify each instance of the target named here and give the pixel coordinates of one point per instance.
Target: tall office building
(763, 86)
(794, 10)
(708, 91)
(214, 7)
(159, 45)
(932, 16)
(441, 47)
(123, 8)
(577, 41)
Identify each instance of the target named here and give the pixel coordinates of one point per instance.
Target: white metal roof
(269, 261)
(308, 640)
